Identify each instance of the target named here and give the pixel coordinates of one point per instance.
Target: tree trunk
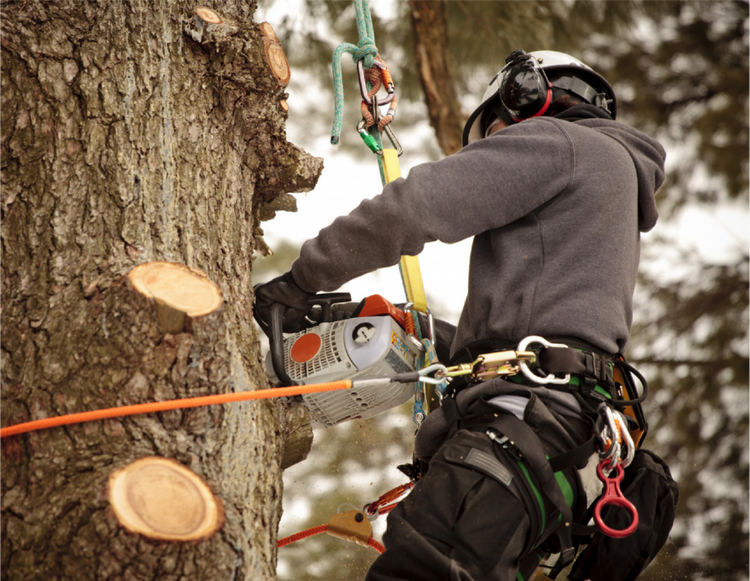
(432, 55)
(134, 132)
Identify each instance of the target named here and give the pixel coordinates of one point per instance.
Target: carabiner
(438, 369)
(614, 496)
(396, 145)
(626, 438)
(609, 453)
(369, 140)
(525, 366)
(363, 83)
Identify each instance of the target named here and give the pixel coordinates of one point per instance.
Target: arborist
(555, 193)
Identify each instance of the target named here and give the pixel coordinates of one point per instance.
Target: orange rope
(303, 535)
(318, 530)
(376, 545)
(161, 406)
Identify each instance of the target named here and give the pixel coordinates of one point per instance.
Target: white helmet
(523, 88)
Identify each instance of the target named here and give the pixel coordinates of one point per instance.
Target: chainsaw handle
(276, 331)
(276, 340)
(326, 301)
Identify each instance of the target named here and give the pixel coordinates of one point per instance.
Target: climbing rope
(365, 50)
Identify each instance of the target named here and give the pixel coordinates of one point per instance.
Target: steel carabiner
(396, 145)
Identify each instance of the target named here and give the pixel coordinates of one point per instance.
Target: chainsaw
(372, 343)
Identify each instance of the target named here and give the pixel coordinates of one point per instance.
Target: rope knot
(366, 50)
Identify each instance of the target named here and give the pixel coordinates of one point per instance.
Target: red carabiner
(613, 495)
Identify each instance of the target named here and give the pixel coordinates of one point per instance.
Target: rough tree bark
(432, 57)
(134, 132)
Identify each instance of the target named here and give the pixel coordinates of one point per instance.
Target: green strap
(365, 49)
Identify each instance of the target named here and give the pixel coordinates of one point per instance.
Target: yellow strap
(410, 272)
(391, 165)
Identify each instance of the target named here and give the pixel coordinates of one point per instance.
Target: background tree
(134, 132)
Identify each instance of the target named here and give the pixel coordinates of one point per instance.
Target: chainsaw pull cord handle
(276, 340)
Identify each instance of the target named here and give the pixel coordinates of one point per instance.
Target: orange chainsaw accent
(375, 305)
(305, 348)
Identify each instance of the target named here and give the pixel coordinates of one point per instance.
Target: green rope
(365, 49)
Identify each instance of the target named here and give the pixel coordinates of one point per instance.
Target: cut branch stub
(208, 16)
(162, 499)
(177, 290)
(275, 54)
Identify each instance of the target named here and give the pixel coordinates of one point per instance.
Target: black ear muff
(525, 90)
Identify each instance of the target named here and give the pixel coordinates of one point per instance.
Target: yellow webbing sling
(410, 272)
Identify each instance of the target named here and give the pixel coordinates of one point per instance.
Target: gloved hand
(285, 291)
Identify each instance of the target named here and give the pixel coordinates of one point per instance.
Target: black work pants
(467, 519)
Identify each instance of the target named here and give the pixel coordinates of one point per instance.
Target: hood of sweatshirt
(648, 156)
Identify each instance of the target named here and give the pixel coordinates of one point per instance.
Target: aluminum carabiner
(396, 145)
(610, 443)
(627, 440)
(390, 89)
(369, 140)
(549, 379)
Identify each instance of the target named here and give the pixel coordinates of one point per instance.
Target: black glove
(282, 290)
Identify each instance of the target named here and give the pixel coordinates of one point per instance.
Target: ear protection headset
(525, 90)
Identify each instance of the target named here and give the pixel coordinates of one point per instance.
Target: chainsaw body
(371, 344)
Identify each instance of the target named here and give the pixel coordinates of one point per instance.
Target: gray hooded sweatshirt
(555, 206)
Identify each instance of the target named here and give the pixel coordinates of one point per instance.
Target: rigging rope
(162, 406)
